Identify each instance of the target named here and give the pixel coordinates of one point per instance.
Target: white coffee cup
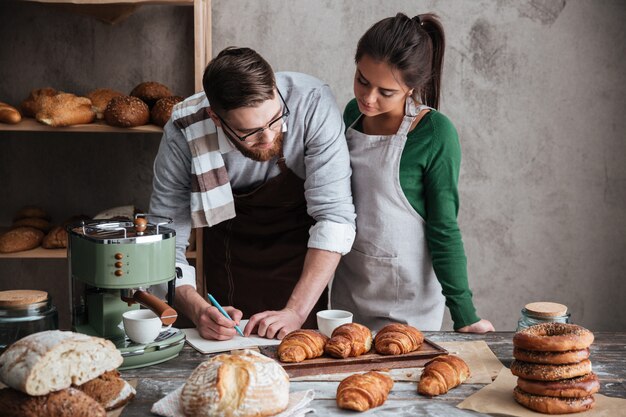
(329, 320)
(142, 326)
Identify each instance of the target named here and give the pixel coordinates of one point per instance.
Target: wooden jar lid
(18, 298)
(546, 309)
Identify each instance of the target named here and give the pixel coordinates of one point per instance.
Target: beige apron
(388, 276)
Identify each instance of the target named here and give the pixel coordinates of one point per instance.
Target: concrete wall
(533, 87)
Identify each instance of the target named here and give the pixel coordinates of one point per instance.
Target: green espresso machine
(112, 264)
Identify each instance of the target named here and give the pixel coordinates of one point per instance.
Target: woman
(405, 158)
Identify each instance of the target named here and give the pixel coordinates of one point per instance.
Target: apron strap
(281, 162)
(410, 113)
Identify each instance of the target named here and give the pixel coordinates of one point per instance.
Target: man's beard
(261, 155)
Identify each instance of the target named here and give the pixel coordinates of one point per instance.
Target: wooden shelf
(42, 253)
(28, 124)
(140, 2)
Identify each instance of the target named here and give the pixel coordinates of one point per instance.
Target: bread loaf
(55, 239)
(31, 211)
(360, 392)
(397, 339)
(162, 110)
(109, 390)
(20, 239)
(244, 384)
(150, 92)
(32, 104)
(350, 339)
(54, 360)
(100, 99)
(300, 345)
(66, 403)
(65, 110)
(126, 111)
(442, 374)
(36, 222)
(9, 114)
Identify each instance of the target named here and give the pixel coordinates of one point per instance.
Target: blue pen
(219, 307)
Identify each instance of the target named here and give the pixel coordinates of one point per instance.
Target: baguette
(9, 114)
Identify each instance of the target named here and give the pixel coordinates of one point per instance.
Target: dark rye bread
(150, 92)
(109, 390)
(126, 111)
(20, 239)
(69, 402)
(162, 110)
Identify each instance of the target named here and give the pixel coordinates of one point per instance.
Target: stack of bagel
(553, 368)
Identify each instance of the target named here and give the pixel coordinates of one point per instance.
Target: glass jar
(542, 312)
(21, 318)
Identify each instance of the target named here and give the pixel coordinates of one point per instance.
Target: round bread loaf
(32, 104)
(578, 387)
(20, 239)
(553, 405)
(109, 390)
(553, 337)
(242, 384)
(100, 100)
(541, 372)
(126, 111)
(55, 239)
(30, 211)
(65, 403)
(36, 222)
(151, 92)
(162, 110)
(65, 109)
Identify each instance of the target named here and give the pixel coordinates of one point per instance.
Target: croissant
(300, 345)
(442, 374)
(361, 392)
(350, 339)
(397, 338)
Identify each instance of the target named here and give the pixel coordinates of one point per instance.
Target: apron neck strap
(410, 113)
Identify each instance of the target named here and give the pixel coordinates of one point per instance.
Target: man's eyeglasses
(274, 125)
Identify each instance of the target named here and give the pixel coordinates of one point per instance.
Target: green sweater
(429, 174)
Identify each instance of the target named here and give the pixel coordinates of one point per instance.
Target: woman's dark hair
(238, 77)
(413, 46)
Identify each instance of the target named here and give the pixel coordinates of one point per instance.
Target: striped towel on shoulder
(211, 196)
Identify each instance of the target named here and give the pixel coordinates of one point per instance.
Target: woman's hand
(481, 326)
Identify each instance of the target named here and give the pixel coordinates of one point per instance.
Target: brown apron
(253, 261)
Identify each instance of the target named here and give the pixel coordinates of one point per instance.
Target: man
(261, 159)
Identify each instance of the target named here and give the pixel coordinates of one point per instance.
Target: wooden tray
(368, 362)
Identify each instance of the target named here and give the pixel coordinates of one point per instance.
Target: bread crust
(543, 372)
(397, 339)
(150, 92)
(109, 390)
(55, 239)
(65, 109)
(36, 222)
(20, 239)
(9, 114)
(300, 345)
(100, 99)
(32, 104)
(552, 358)
(162, 110)
(553, 337)
(350, 339)
(553, 405)
(578, 387)
(31, 211)
(361, 392)
(65, 403)
(126, 111)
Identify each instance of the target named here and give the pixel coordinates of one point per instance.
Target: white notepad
(238, 342)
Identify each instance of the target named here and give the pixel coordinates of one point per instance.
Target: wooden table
(607, 357)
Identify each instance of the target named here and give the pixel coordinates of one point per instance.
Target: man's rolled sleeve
(333, 237)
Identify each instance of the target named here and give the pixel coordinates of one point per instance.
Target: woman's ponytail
(431, 90)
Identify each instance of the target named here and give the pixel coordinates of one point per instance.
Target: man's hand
(274, 324)
(214, 325)
(482, 326)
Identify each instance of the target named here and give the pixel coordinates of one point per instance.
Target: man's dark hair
(238, 77)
